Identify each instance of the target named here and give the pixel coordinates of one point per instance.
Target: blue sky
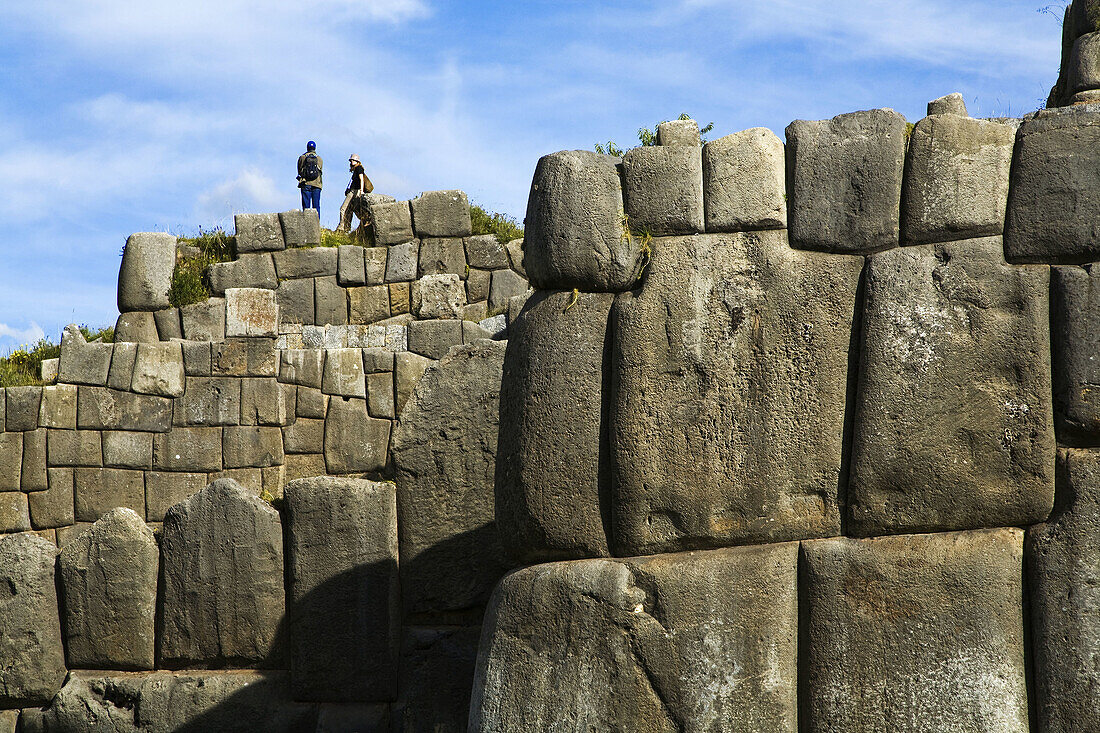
(122, 116)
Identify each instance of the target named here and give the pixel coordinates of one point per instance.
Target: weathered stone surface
(441, 214)
(305, 466)
(407, 370)
(222, 532)
(663, 189)
(401, 265)
(196, 358)
(300, 263)
(392, 222)
(249, 446)
(369, 304)
(956, 184)
(246, 357)
(32, 475)
(949, 104)
(158, 369)
(496, 326)
(224, 701)
(475, 312)
(506, 284)
(305, 435)
(678, 132)
(345, 611)
(23, 408)
(437, 673)
(250, 312)
(697, 641)
(49, 370)
(1052, 202)
(486, 251)
(574, 234)
(953, 424)
(30, 643)
(168, 324)
(1063, 557)
(121, 374)
(209, 401)
(11, 460)
(146, 272)
(99, 490)
(844, 178)
(204, 321)
(295, 301)
(477, 285)
(441, 256)
(915, 633)
(58, 408)
(1083, 69)
(472, 332)
(311, 402)
(354, 441)
(188, 449)
(553, 487)
(330, 302)
(100, 408)
(74, 448)
(54, 507)
(349, 265)
(264, 402)
(344, 373)
(434, 338)
(109, 583)
(301, 366)
(744, 182)
(732, 369)
(515, 255)
(9, 719)
(301, 228)
(250, 271)
(165, 490)
(444, 452)
(81, 362)
(1075, 323)
(438, 296)
(400, 298)
(258, 233)
(126, 449)
(15, 513)
(380, 398)
(374, 265)
(136, 327)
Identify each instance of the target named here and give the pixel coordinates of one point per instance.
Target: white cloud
(19, 336)
(249, 191)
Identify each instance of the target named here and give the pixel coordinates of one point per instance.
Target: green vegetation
(504, 227)
(647, 137)
(330, 238)
(188, 283)
(23, 366)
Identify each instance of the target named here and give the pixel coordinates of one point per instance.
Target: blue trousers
(311, 198)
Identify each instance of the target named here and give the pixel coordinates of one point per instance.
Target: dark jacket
(316, 182)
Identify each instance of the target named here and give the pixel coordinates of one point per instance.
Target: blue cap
(311, 145)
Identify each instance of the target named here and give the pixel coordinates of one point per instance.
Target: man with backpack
(309, 177)
(355, 197)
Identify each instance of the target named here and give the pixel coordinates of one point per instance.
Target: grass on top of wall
(23, 366)
(188, 279)
(504, 227)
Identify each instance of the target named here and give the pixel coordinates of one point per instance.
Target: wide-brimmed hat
(354, 158)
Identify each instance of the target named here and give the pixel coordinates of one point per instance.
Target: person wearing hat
(309, 177)
(354, 197)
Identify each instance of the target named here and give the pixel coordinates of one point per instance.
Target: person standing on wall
(309, 177)
(354, 201)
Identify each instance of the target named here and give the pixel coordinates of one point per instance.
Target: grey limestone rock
(408, 368)
(438, 296)
(744, 185)
(1053, 203)
(53, 508)
(168, 324)
(109, 582)
(49, 370)
(224, 531)
(477, 285)
(1075, 324)
(380, 399)
(486, 251)
(209, 401)
(553, 484)
(305, 435)
(146, 272)
(472, 331)
(11, 460)
(496, 326)
(663, 189)
(245, 357)
(440, 256)
(33, 665)
(164, 490)
(844, 181)
(1063, 557)
(301, 366)
(309, 262)
(731, 367)
(99, 408)
(505, 285)
(441, 214)
(953, 425)
(392, 222)
(249, 271)
(374, 265)
(949, 104)
(264, 402)
(74, 448)
(515, 255)
(158, 369)
(136, 326)
(574, 233)
(401, 262)
(345, 609)
(696, 641)
(956, 182)
(258, 233)
(349, 265)
(437, 673)
(188, 449)
(58, 406)
(24, 404)
(368, 304)
(434, 338)
(32, 476)
(301, 228)
(295, 301)
(679, 132)
(126, 449)
(250, 312)
(915, 633)
(451, 556)
(1083, 70)
(14, 513)
(81, 362)
(204, 321)
(354, 441)
(344, 373)
(121, 374)
(97, 491)
(330, 302)
(252, 446)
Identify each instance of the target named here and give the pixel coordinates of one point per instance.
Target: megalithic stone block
(956, 185)
(137, 327)
(678, 132)
(696, 641)
(392, 222)
(953, 424)
(553, 482)
(844, 179)
(451, 555)
(915, 633)
(1083, 68)
(441, 214)
(437, 673)
(1063, 557)
(223, 596)
(663, 189)
(1075, 324)
(345, 609)
(81, 362)
(33, 665)
(731, 372)
(301, 228)
(744, 182)
(258, 233)
(1054, 198)
(109, 581)
(146, 272)
(575, 236)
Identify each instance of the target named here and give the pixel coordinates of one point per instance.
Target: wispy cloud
(27, 335)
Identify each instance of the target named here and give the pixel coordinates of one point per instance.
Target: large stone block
(434, 338)
(915, 633)
(953, 425)
(136, 327)
(354, 441)
(196, 358)
(224, 531)
(158, 369)
(15, 513)
(679, 132)
(575, 236)
(251, 312)
(24, 404)
(11, 460)
(100, 408)
(58, 406)
(264, 402)
(53, 508)
(293, 264)
(33, 665)
(663, 189)
(1075, 324)
(956, 181)
(438, 296)
(245, 357)
(305, 435)
(844, 177)
(369, 304)
(486, 251)
(441, 214)
(301, 228)
(165, 490)
(731, 367)
(477, 285)
(1053, 202)
(553, 484)
(109, 582)
(97, 491)
(441, 256)
(407, 370)
(349, 265)
(81, 362)
(32, 474)
(126, 449)
(301, 366)
(168, 324)
(209, 401)
(188, 449)
(515, 255)
(344, 373)
(250, 271)
(345, 609)
(374, 265)
(295, 301)
(437, 674)
(401, 264)
(204, 321)
(698, 641)
(146, 272)
(506, 285)
(249, 446)
(392, 222)
(330, 302)
(744, 182)
(258, 233)
(121, 374)
(74, 448)
(451, 556)
(1063, 557)
(1083, 72)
